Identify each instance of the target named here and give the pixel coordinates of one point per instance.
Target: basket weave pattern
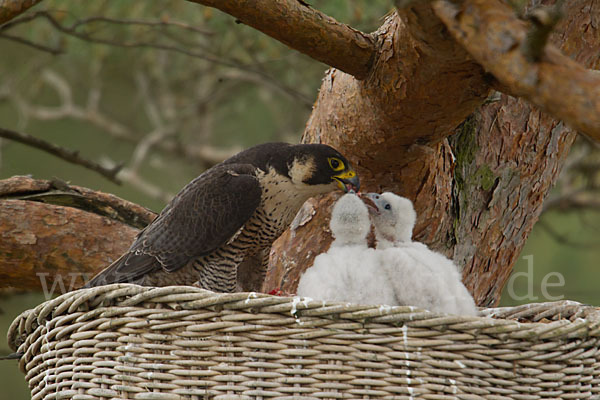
(128, 341)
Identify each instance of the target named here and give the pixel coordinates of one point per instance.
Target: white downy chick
(349, 271)
(394, 219)
(421, 277)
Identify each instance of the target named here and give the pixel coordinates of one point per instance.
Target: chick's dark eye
(388, 207)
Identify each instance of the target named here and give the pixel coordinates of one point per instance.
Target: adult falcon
(228, 217)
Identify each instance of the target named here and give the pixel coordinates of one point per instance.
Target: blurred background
(168, 88)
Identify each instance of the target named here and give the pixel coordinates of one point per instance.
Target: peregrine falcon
(229, 216)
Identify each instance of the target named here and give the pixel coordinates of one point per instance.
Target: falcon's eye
(336, 164)
(388, 207)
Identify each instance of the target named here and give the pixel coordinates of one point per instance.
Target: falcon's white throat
(285, 196)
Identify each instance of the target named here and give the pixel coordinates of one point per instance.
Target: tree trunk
(477, 194)
(413, 118)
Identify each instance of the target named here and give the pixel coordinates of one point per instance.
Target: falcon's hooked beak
(347, 180)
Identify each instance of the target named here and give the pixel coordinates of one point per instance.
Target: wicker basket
(127, 341)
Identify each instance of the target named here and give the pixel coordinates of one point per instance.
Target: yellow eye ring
(336, 164)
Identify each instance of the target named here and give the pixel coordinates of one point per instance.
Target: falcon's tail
(129, 268)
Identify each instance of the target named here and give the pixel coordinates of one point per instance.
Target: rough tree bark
(316, 34)
(477, 194)
(503, 45)
(50, 231)
(477, 188)
(11, 8)
(36, 234)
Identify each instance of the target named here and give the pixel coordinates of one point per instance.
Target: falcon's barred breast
(228, 217)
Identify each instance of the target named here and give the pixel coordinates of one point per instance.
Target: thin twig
(18, 21)
(205, 154)
(52, 50)
(65, 154)
(579, 199)
(145, 186)
(71, 31)
(12, 356)
(161, 23)
(260, 76)
(563, 239)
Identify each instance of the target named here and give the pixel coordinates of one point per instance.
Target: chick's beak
(369, 199)
(348, 180)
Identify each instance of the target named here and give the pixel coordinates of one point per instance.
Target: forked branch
(490, 31)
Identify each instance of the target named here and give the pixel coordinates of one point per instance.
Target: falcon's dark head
(321, 167)
(314, 168)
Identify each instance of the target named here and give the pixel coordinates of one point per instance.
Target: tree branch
(57, 192)
(572, 201)
(392, 127)
(492, 34)
(205, 154)
(564, 239)
(71, 156)
(543, 20)
(158, 23)
(55, 235)
(45, 245)
(11, 8)
(52, 50)
(307, 30)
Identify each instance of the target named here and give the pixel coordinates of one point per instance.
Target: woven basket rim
(582, 321)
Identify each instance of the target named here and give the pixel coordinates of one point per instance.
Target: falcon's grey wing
(207, 213)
